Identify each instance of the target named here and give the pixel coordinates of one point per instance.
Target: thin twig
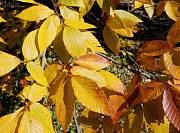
(76, 123)
(43, 59)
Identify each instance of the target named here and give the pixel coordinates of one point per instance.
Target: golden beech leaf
(65, 104)
(28, 1)
(147, 62)
(79, 24)
(160, 7)
(29, 48)
(111, 39)
(170, 109)
(78, 3)
(52, 71)
(2, 40)
(172, 10)
(48, 32)
(37, 73)
(87, 6)
(145, 1)
(90, 114)
(113, 83)
(29, 124)
(90, 74)
(43, 115)
(175, 84)
(137, 4)
(69, 13)
(151, 91)
(2, 19)
(8, 63)
(92, 61)
(74, 41)
(35, 13)
(155, 48)
(171, 62)
(125, 14)
(90, 95)
(9, 122)
(173, 36)
(149, 8)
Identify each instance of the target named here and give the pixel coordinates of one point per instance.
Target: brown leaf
(170, 109)
(160, 7)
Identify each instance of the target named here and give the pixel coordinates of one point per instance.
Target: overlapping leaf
(35, 13)
(68, 13)
(145, 1)
(149, 9)
(87, 6)
(2, 19)
(160, 7)
(90, 95)
(48, 32)
(8, 63)
(28, 1)
(37, 73)
(78, 3)
(29, 48)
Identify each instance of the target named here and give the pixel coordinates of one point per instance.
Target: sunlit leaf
(160, 7)
(79, 24)
(8, 63)
(113, 83)
(29, 48)
(172, 10)
(155, 48)
(48, 32)
(90, 95)
(170, 109)
(43, 115)
(37, 73)
(87, 6)
(90, 74)
(28, 1)
(78, 3)
(29, 124)
(69, 13)
(35, 13)
(2, 40)
(173, 36)
(171, 62)
(92, 61)
(149, 8)
(2, 19)
(111, 39)
(65, 104)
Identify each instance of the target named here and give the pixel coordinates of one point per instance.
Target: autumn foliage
(80, 75)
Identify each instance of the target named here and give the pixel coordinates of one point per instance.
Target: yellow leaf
(149, 9)
(35, 13)
(137, 4)
(90, 95)
(74, 41)
(29, 48)
(90, 74)
(172, 10)
(79, 24)
(65, 104)
(125, 14)
(2, 20)
(28, 1)
(113, 83)
(43, 115)
(7, 63)
(78, 3)
(9, 122)
(145, 1)
(29, 124)
(69, 13)
(48, 32)
(83, 10)
(111, 39)
(2, 40)
(37, 73)
(51, 72)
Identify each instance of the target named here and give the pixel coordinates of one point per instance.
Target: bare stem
(76, 123)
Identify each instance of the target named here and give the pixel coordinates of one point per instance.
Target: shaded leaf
(35, 13)
(170, 109)
(48, 32)
(78, 3)
(92, 61)
(7, 63)
(173, 36)
(29, 48)
(37, 73)
(160, 7)
(90, 95)
(43, 115)
(90, 74)
(65, 104)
